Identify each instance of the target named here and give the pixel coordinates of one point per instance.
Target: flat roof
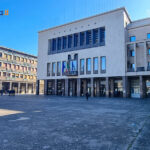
(16, 51)
(118, 9)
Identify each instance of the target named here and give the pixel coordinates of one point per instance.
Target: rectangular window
(64, 42)
(53, 69)
(103, 64)
(132, 53)
(88, 65)
(149, 64)
(149, 51)
(95, 65)
(81, 66)
(0, 64)
(148, 36)
(59, 44)
(75, 40)
(88, 37)
(102, 35)
(81, 38)
(58, 68)
(4, 74)
(0, 54)
(48, 69)
(69, 41)
(53, 44)
(132, 38)
(73, 65)
(133, 66)
(64, 67)
(95, 36)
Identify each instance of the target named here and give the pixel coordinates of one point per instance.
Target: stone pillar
(107, 86)
(84, 87)
(0, 85)
(92, 85)
(37, 87)
(26, 88)
(10, 86)
(45, 87)
(66, 87)
(112, 87)
(55, 87)
(19, 88)
(141, 87)
(125, 86)
(78, 86)
(145, 56)
(135, 55)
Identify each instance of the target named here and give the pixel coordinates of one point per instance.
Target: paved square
(66, 123)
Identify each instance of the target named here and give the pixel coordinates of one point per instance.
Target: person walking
(87, 96)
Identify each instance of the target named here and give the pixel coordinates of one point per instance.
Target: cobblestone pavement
(69, 123)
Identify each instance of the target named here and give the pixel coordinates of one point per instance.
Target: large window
(132, 38)
(149, 51)
(69, 41)
(132, 53)
(64, 67)
(102, 35)
(88, 37)
(81, 66)
(103, 64)
(95, 65)
(64, 42)
(148, 36)
(88, 65)
(58, 68)
(73, 65)
(53, 69)
(82, 38)
(48, 69)
(59, 44)
(95, 36)
(53, 44)
(75, 40)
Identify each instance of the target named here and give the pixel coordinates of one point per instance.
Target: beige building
(104, 55)
(17, 71)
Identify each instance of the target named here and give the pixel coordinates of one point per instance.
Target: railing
(140, 69)
(71, 73)
(131, 70)
(148, 68)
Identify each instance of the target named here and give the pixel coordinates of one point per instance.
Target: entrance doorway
(72, 87)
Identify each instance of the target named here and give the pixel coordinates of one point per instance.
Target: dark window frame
(101, 64)
(95, 71)
(87, 71)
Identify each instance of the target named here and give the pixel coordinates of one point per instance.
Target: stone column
(26, 88)
(19, 88)
(97, 87)
(141, 87)
(37, 87)
(55, 87)
(92, 85)
(145, 56)
(135, 55)
(66, 87)
(10, 86)
(112, 87)
(84, 87)
(45, 87)
(125, 85)
(78, 86)
(0, 85)
(107, 86)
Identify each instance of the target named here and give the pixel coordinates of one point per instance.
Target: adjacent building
(17, 71)
(104, 55)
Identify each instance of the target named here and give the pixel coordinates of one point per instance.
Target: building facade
(17, 71)
(104, 55)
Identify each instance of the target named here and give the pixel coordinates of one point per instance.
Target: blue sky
(19, 30)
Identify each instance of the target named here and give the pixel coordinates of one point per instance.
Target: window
(132, 53)
(0, 64)
(81, 66)
(132, 38)
(75, 40)
(69, 57)
(102, 35)
(53, 44)
(149, 64)
(75, 56)
(81, 38)
(4, 74)
(53, 69)
(73, 65)
(59, 44)
(48, 69)
(95, 36)
(95, 65)
(149, 51)
(103, 64)
(133, 66)
(58, 68)
(64, 67)
(64, 42)
(21, 76)
(148, 36)
(88, 65)
(88, 37)
(0, 54)
(69, 41)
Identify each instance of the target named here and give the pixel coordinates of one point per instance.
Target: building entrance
(72, 87)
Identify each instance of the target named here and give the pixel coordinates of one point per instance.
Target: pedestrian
(87, 96)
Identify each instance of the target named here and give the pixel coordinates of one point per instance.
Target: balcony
(148, 68)
(138, 69)
(131, 70)
(71, 73)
